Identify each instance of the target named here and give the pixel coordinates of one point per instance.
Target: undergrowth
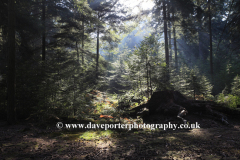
(231, 101)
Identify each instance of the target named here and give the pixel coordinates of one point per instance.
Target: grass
(94, 135)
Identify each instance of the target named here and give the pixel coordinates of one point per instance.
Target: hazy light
(137, 5)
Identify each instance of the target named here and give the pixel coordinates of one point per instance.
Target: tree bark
(175, 42)
(11, 84)
(210, 34)
(97, 50)
(83, 42)
(74, 98)
(170, 49)
(200, 45)
(166, 39)
(194, 94)
(150, 79)
(78, 58)
(44, 30)
(77, 51)
(147, 78)
(169, 36)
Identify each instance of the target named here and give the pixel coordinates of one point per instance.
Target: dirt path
(24, 141)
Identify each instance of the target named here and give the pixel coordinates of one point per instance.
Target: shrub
(236, 86)
(230, 100)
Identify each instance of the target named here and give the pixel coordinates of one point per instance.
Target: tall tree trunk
(44, 30)
(194, 94)
(175, 41)
(44, 45)
(11, 85)
(170, 48)
(166, 40)
(4, 52)
(141, 87)
(200, 45)
(150, 79)
(83, 42)
(210, 34)
(147, 78)
(74, 97)
(78, 58)
(97, 50)
(77, 52)
(138, 82)
(169, 36)
(5, 60)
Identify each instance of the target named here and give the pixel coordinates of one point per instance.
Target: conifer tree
(11, 84)
(106, 13)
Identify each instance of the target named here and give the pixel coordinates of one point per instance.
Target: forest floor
(212, 141)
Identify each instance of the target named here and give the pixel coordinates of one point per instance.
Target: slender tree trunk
(169, 36)
(4, 46)
(44, 30)
(11, 84)
(150, 79)
(4, 55)
(210, 34)
(44, 45)
(200, 45)
(140, 84)
(74, 98)
(170, 48)
(175, 42)
(78, 56)
(147, 78)
(166, 39)
(194, 94)
(97, 50)
(83, 42)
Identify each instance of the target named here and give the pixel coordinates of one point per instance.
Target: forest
(110, 62)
